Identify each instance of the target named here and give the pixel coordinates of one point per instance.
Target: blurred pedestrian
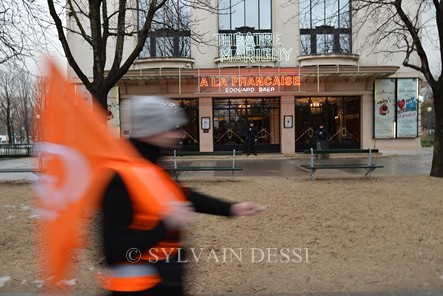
(143, 245)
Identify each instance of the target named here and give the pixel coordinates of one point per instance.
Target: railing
(345, 134)
(16, 150)
(230, 134)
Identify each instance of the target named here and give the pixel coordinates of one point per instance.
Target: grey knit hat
(154, 115)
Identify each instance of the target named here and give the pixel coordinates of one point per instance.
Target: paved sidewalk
(266, 165)
(289, 166)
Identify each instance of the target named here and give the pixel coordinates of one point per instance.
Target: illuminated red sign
(232, 84)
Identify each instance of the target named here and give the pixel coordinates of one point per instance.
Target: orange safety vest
(150, 189)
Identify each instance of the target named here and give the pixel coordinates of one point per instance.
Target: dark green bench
(181, 168)
(368, 166)
(214, 153)
(38, 170)
(18, 170)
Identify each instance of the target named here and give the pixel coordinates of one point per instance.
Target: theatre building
(287, 68)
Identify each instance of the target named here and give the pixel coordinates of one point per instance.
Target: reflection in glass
(224, 14)
(265, 15)
(339, 115)
(238, 14)
(231, 118)
(252, 15)
(325, 44)
(170, 30)
(245, 28)
(325, 27)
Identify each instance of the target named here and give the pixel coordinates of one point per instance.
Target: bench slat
(21, 171)
(340, 166)
(341, 151)
(368, 166)
(180, 168)
(202, 168)
(198, 153)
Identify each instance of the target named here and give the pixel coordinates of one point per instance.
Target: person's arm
(207, 204)
(117, 216)
(210, 205)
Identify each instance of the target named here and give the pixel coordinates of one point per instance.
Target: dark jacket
(251, 134)
(321, 134)
(117, 214)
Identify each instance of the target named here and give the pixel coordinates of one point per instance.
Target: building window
(245, 28)
(170, 34)
(325, 27)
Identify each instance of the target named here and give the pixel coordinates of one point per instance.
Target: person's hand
(179, 216)
(246, 209)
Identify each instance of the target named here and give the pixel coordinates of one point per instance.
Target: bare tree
(405, 27)
(25, 98)
(104, 28)
(39, 101)
(16, 102)
(24, 29)
(7, 105)
(12, 40)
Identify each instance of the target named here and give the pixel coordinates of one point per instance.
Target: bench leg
(175, 175)
(312, 174)
(368, 172)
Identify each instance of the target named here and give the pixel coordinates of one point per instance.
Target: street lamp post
(428, 115)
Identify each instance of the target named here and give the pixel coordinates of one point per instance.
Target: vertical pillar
(367, 122)
(206, 137)
(287, 141)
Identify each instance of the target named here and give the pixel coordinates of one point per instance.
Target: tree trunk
(9, 129)
(102, 100)
(437, 159)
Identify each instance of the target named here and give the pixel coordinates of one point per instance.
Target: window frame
(180, 37)
(313, 34)
(231, 47)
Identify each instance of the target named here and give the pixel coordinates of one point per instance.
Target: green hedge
(427, 141)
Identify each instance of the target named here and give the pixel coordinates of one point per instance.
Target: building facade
(288, 67)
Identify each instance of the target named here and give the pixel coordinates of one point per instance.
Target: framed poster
(206, 123)
(384, 108)
(288, 121)
(407, 105)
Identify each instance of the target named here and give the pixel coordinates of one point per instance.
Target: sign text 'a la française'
(236, 84)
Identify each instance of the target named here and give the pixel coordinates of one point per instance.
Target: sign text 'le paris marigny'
(238, 84)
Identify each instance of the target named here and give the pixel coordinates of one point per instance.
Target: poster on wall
(407, 104)
(384, 109)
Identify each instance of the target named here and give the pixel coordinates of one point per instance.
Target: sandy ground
(337, 234)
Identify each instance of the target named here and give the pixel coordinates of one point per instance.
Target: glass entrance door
(231, 117)
(191, 129)
(339, 115)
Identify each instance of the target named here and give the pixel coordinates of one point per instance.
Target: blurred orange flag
(80, 157)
